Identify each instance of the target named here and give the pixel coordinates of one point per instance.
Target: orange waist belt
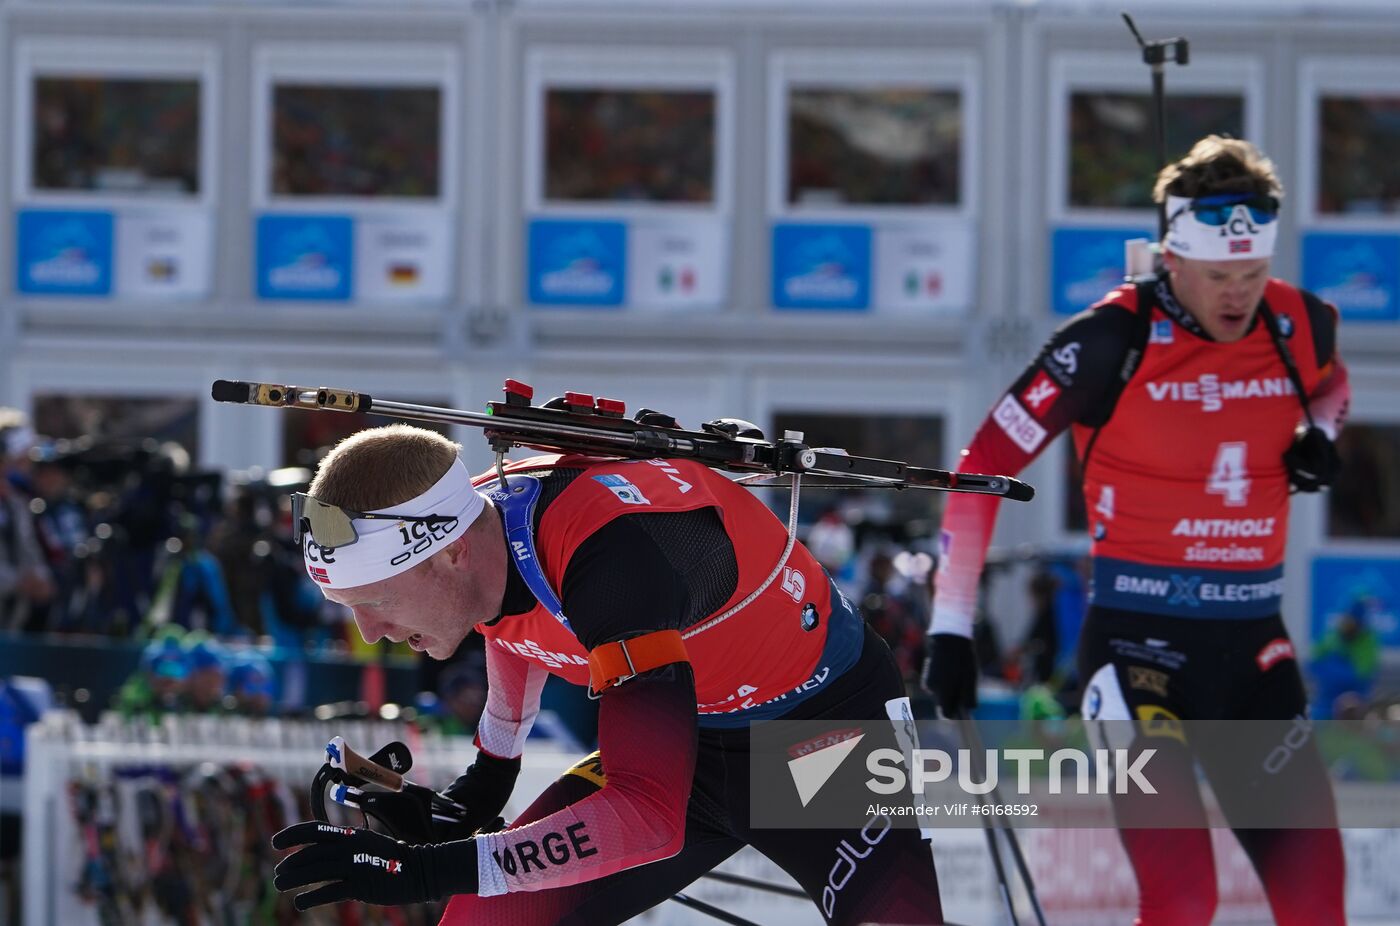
(614, 663)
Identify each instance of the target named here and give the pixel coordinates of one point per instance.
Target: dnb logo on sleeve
(625, 491)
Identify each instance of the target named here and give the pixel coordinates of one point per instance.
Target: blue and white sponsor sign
(577, 263)
(1186, 592)
(1086, 264)
(64, 253)
(305, 257)
(821, 266)
(1368, 587)
(1358, 273)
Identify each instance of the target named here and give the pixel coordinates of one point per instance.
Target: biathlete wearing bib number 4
(1185, 487)
(605, 551)
(1187, 494)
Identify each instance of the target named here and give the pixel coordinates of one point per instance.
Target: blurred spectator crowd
(122, 539)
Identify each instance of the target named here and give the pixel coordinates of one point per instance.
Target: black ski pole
(975, 746)
(783, 890)
(995, 850)
(724, 916)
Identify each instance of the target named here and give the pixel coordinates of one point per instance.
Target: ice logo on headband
(1225, 227)
(418, 536)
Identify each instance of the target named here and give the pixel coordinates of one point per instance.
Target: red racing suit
(1187, 499)
(774, 653)
(1184, 484)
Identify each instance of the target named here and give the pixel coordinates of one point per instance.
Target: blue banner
(1087, 264)
(577, 263)
(305, 257)
(821, 266)
(1358, 273)
(62, 253)
(1367, 588)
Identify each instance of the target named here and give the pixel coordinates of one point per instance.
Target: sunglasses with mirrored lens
(334, 526)
(1216, 210)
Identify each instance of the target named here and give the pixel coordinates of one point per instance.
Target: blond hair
(1218, 164)
(382, 467)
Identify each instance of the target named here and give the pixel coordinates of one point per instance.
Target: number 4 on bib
(1228, 475)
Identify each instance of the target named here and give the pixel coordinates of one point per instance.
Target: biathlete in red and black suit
(633, 578)
(1183, 397)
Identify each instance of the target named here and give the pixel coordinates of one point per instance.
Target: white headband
(387, 548)
(1240, 238)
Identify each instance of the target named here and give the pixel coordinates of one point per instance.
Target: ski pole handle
(352, 763)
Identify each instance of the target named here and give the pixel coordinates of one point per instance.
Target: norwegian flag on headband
(319, 574)
(1242, 246)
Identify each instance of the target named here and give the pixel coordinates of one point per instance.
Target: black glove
(950, 673)
(482, 790)
(360, 864)
(408, 814)
(1311, 460)
(474, 801)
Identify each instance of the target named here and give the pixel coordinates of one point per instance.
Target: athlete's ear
(457, 553)
(1173, 262)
